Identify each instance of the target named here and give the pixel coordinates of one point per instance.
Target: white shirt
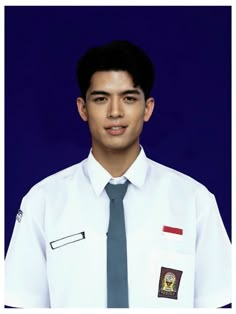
(57, 254)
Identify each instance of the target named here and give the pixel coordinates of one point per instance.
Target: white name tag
(67, 240)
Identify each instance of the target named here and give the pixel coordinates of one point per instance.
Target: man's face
(115, 110)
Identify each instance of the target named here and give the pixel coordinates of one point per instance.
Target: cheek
(95, 120)
(137, 117)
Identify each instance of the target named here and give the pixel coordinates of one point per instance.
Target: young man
(160, 244)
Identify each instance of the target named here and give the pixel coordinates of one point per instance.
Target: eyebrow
(129, 91)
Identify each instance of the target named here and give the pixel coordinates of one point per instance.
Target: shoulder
(182, 189)
(176, 179)
(57, 181)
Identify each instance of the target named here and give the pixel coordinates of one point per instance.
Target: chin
(120, 146)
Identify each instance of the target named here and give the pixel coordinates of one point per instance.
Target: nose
(115, 109)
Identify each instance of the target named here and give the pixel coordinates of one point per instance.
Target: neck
(116, 162)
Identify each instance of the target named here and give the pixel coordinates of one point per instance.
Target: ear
(150, 103)
(82, 108)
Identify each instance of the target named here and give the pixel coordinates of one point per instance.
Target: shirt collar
(99, 176)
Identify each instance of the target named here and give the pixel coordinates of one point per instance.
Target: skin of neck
(116, 161)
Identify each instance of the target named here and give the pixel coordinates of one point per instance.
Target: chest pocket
(174, 270)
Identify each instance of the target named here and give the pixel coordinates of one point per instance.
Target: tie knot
(116, 191)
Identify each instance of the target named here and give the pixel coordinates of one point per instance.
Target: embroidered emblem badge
(169, 283)
(19, 215)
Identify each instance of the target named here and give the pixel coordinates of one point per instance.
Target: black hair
(116, 55)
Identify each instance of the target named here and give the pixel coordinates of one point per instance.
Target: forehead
(111, 81)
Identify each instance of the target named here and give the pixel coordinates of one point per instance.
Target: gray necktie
(117, 283)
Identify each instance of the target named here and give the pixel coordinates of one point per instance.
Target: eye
(99, 99)
(130, 99)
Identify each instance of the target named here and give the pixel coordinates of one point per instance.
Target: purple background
(191, 126)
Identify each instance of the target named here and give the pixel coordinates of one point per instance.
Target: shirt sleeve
(25, 264)
(213, 256)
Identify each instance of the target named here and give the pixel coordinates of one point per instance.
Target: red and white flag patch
(173, 230)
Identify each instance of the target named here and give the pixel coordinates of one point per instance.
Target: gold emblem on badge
(169, 282)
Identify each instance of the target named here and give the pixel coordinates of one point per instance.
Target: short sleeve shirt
(178, 252)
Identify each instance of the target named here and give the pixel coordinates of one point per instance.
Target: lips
(116, 129)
